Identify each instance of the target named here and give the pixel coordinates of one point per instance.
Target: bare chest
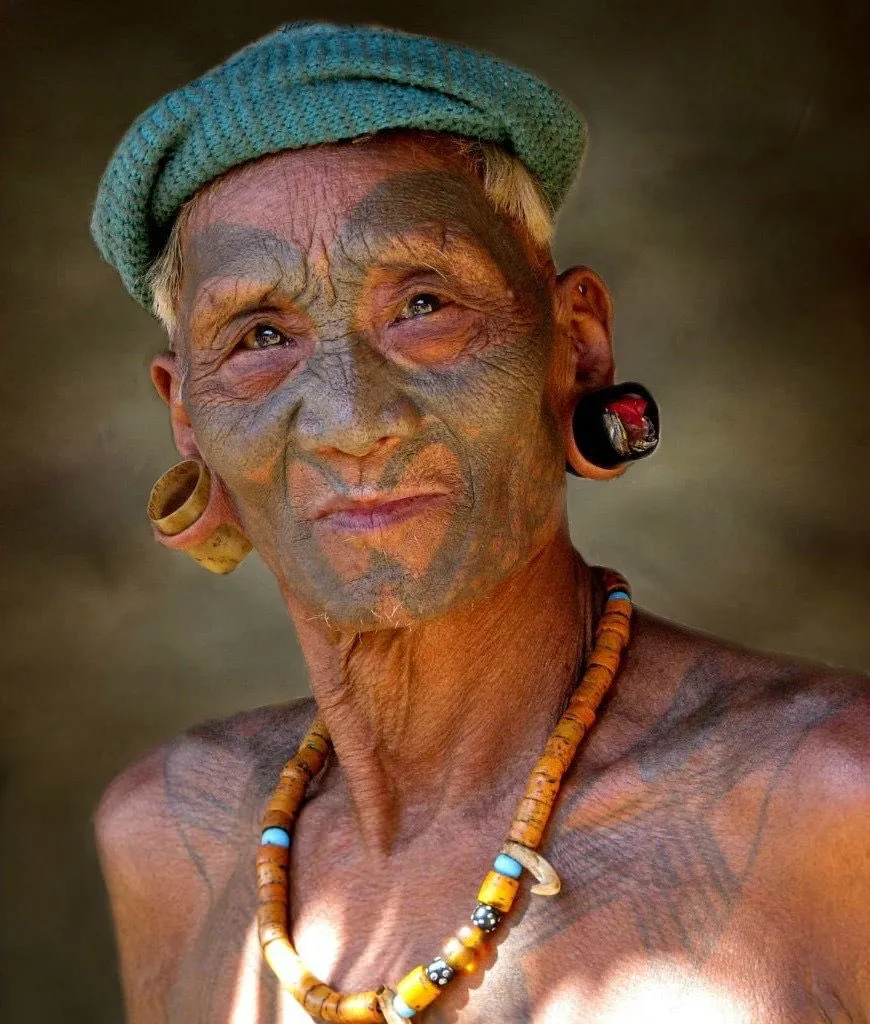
(659, 906)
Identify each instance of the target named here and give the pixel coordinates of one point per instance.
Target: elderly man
(376, 379)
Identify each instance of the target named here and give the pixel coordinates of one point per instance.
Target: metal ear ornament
(612, 427)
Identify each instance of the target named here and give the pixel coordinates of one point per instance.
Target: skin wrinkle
(358, 241)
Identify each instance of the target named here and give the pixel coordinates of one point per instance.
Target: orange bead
(498, 891)
(570, 732)
(270, 933)
(296, 772)
(290, 788)
(617, 626)
(314, 999)
(359, 1006)
(606, 659)
(272, 891)
(458, 956)
(618, 607)
(528, 830)
(609, 641)
(561, 749)
(276, 817)
(550, 766)
(272, 874)
(594, 677)
(543, 786)
(273, 912)
(471, 936)
(581, 714)
(268, 853)
(417, 990)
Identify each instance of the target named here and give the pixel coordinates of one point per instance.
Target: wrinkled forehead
(308, 191)
(353, 201)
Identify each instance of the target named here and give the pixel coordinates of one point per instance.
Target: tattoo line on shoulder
(650, 842)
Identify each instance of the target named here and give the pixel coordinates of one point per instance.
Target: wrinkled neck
(430, 719)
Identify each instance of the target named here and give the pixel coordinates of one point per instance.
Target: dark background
(725, 199)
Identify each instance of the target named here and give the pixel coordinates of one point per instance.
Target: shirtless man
(377, 361)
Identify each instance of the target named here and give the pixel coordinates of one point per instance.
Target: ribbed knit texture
(310, 83)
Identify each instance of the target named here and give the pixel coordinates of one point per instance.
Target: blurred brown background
(725, 199)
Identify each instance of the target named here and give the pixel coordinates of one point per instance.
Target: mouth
(376, 512)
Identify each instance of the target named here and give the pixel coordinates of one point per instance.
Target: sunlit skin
(378, 369)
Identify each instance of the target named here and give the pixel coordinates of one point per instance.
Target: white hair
(507, 182)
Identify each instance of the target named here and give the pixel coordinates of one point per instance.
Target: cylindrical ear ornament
(190, 513)
(612, 427)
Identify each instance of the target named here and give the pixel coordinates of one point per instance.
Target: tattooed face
(364, 347)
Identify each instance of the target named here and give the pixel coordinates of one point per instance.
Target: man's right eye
(264, 336)
(421, 305)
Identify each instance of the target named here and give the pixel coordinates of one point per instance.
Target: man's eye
(420, 305)
(264, 336)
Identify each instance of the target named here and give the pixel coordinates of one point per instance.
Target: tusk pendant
(385, 1002)
(549, 882)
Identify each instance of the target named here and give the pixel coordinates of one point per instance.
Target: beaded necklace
(460, 952)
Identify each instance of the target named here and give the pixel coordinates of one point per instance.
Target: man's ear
(166, 377)
(583, 314)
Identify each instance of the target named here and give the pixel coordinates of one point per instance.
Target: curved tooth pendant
(385, 1003)
(549, 882)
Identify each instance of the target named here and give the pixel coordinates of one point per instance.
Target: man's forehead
(310, 192)
(349, 204)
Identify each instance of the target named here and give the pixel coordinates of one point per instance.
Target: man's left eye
(264, 336)
(421, 305)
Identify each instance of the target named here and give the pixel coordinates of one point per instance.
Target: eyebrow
(237, 251)
(409, 202)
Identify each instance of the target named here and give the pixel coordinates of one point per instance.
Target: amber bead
(498, 891)
(276, 818)
(582, 713)
(416, 989)
(315, 999)
(606, 659)
(459, 956)
(471, 936)
(359, 1006)
(559, 747)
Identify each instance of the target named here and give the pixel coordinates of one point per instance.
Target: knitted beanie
(310, 83)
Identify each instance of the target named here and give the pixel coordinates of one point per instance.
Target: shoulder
(709, 718)
(791, 737)
(708, 679)
(170, 830)
(204, 782)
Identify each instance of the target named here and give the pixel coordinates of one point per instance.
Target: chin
(364, 609)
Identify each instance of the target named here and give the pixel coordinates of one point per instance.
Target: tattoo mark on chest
(664, 841)
(214, 784)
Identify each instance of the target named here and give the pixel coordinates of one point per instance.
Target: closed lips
(375, 511)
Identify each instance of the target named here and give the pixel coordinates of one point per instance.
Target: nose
(353, 402)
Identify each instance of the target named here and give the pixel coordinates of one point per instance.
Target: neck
(427, 718)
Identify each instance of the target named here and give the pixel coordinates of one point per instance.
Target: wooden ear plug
(190, 513)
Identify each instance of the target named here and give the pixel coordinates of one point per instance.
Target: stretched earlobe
(610, 428)
(190, 512)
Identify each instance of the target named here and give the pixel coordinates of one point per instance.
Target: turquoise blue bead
(402, 1008)
(619, 595)
(275, 837)
(506, 865)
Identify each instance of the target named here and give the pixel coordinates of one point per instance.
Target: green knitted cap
(310, 83)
